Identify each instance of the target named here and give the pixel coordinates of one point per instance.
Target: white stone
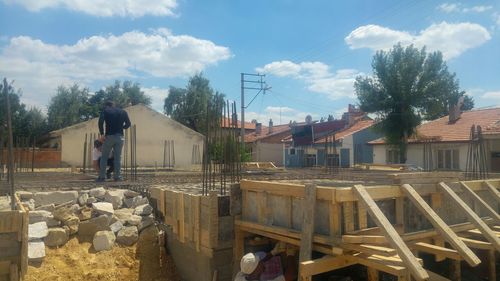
(57, 236)
(143, 210)
(55, 197)
(136, 201)
(90, 227)
(37, 230)
(103, 240)
(50, 207)
(36, 251)
(24, 195)
(97, 192)
(82, 199)
(30, 204)
(130, 193)
(38, 216)
(116, 226)
(114, 197)
(134, 220)
(127, 236)
(91, 200)
(103, 208)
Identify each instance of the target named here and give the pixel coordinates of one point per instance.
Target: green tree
(123, 94)
(189, 105)
(407, 86)
(69, 106)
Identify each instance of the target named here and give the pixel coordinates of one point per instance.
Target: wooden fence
(13, 243)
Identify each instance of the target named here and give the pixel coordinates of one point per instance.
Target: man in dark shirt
(116, 120)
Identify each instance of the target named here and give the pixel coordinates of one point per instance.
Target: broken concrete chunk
(63, 214)
(127, 236)
(55, 197)
(73, 224)
(116, 226)
(145, 222)
(124, 214)
(82, 199)
(143, 210)
(103, 240)
(91, 200)
(37, 230)
(97, 192)
(85, 214)
(57, 237)
(30, 204)
(130, 193)
(114, 197)
(136, 201)
(134, 220)
(103, 208)
(90, 227)
(36, 251)
(38, 216)
(50, 207)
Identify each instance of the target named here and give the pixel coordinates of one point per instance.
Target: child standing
(96, 157)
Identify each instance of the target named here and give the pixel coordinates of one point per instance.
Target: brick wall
(43, 158)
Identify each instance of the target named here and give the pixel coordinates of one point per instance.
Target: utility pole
(262, 87)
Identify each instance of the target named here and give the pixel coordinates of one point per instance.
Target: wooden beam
(493, 190)
(492, 265)
(370, 249)
(477, 244)
(306, 238)
(391, 234)
(362, 217)
(475, 219)
(348, 214)
(492, 213)
(440, 225)
(455, 270)
(459, 227)
(364, 239)
(377, 263)
(324, 264)
(436, 277)
(436, 250)
(372, 274)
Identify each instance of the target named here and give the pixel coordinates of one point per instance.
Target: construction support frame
(350, 227)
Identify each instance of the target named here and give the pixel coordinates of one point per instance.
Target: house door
(344, 158)
(495, 162)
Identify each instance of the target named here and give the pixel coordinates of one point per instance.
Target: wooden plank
(477, 232)
(372, 274)
(14, 272)
(335, 221)
(262, 208)
(436, 250)
(24, 244)
(196, 222)
(364, 239)
(440, 225)
(289, 212)
(362, 217)
(479, 201)
(455, 270)
(348, 208)
(476, 244)
(439, 241)
(459, 227)
(475, 219)
(370, 249)
(324, 264)
(436, 277)
(180, 217)
(492, 265)
(4, 267)
(391, 234)
(286, 189)
(378, 264)
(306, 239)
(400, 211)
(213, 219)
(493, 190)
(10, 221)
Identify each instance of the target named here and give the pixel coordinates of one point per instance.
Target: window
(292, 151)
(392, 156)
(448, 159)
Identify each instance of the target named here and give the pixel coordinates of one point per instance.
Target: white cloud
(104, 8)
(317, 76)
(458, 8)
(39, 67)
(157, 96)
(491, 95)
(273, 112)
(451, 39)
(449, 7)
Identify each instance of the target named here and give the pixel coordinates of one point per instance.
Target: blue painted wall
(363, 152)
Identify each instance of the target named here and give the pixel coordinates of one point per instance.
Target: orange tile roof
(227, 121)
(356, 127)
(459, 131)
(278, 129)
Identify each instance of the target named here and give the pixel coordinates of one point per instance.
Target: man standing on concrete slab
(116, 120)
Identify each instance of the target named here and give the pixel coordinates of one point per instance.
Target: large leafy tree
(69, 106)
(123, 94)
(189, 105)
(407, 86)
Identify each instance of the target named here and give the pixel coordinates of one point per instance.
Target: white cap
(249, 263)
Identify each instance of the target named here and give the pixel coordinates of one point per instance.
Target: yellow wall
(153, 129)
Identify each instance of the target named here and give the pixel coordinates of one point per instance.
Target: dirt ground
(79, 262)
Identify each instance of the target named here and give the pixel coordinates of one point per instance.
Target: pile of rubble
(99, 215)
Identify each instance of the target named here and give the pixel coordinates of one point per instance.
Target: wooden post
(440, 225)
(390, 233)
(306, 238)
(372, 274)
(400, 211)
(492, 274)
(348, 208)
(455, 270)
(475, 219)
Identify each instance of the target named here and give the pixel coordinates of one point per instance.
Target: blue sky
(310, 51)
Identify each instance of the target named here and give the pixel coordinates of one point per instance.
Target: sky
(310, 51)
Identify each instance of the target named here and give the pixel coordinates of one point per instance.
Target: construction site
(368, 222)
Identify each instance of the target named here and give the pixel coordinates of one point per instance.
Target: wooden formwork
(14, 243)
(353, 225)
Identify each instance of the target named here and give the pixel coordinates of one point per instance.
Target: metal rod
(6, 89)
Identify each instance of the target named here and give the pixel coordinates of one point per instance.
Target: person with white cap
(268, 267)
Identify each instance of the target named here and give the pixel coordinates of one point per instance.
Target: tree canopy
(408, 85)
(75, 104)
(189, 105)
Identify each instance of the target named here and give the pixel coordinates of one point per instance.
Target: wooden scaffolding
(372, 225)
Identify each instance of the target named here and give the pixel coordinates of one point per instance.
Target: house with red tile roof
(446, 142)
(339, 142)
